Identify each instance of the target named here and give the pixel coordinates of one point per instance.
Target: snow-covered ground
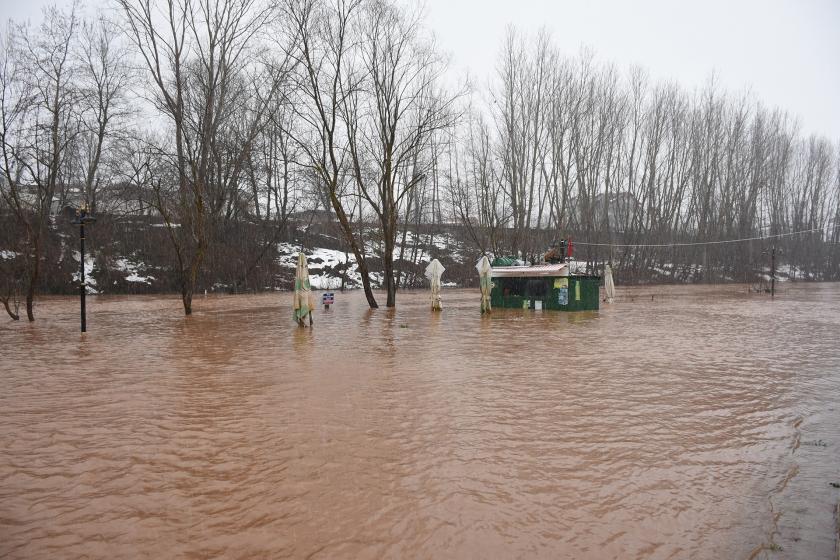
(419, 255)
(330, 257)
(133, 270)
(90, 281)
(442, 242)
(288, 254)
(325, 265)
(418, 247)
(321, 258)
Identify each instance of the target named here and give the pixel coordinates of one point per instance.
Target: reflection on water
(699, 423)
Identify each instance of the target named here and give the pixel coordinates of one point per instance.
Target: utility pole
(82, 218)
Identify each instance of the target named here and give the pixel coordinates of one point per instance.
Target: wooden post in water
(773, 271)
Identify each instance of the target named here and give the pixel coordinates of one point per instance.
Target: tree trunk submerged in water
(361, 262)
(12, 313)
(388, 266)
(190, 276)
(365, 273)
(35, 272)
(30, 302)
(186, 299)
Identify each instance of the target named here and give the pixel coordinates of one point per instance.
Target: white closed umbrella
(304, 303)
(609, 285)
(433, 272)
(484, 277)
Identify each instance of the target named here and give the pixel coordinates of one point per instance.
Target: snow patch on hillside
(90, 281)
(133, 270)
(326, 266)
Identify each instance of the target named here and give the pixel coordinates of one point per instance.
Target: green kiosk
(548, 286)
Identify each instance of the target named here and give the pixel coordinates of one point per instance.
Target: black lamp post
(81, 219)
(772, 251)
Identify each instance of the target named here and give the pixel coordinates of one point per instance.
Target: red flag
(569, 249)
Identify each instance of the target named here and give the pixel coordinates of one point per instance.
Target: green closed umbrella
(303, 302)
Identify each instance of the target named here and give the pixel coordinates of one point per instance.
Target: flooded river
(680, 422)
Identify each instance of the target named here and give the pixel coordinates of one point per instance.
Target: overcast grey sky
(787, 52)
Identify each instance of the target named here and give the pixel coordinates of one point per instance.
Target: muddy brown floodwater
(700, 423)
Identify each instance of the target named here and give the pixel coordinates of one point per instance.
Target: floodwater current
(679, 422)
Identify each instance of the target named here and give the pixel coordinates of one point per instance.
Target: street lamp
(772, 252)
(81, 219)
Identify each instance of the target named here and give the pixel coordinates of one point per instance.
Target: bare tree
(390, 121)
(630, 167)
(39, 122)
(105, 78)
(324, 48)
(195, 54)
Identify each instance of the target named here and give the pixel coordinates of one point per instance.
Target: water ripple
(702, 424)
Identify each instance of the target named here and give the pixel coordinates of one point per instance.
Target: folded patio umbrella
(304, 303)
(609, 285)
(485, 282)
(433, 272)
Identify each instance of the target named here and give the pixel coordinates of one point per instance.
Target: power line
(701, 243)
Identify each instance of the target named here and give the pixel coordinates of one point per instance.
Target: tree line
(621, 162)
(220, 119)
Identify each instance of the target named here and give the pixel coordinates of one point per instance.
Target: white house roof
(560, 269)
